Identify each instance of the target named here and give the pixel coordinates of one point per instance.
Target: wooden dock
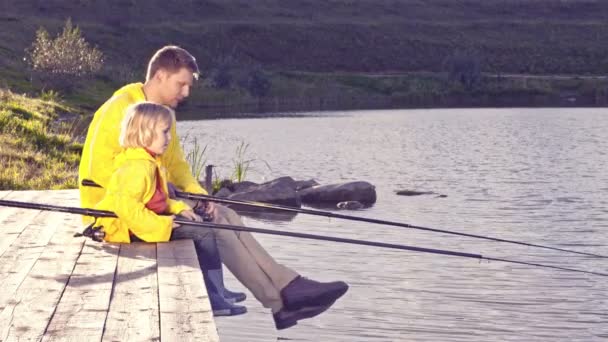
(55, 287)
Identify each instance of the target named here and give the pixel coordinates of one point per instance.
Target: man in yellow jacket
(170, 75)
(165, 86)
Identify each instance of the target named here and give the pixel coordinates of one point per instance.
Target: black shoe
(302, 292)
(288, 318)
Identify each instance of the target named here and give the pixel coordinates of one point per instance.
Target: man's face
(175, 86)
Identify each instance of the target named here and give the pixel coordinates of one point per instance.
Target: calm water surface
(535, 175)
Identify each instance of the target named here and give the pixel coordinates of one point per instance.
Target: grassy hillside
(328, 39)
(36, 151)
(323, 54)
(519, 36)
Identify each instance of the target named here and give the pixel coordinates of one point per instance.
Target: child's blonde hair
(139, 124)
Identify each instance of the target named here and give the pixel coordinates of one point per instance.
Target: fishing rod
(200, 197)
(97, 234)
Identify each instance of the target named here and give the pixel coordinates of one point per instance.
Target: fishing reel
(206, 217)
(201, 210)
(93, 232)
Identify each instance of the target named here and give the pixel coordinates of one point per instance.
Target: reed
(196, 158)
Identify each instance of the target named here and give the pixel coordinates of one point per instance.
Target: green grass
(35, 153)
(241, 164)
(323, 38)
(318, 53)
(196, 157)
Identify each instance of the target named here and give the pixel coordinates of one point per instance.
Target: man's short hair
(172, 58)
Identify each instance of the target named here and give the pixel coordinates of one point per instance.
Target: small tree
(59, 62)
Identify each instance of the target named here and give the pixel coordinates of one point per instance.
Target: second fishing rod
(97, 233)
(200, 197)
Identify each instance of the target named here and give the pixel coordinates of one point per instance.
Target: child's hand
(175, 225)
(191, 215)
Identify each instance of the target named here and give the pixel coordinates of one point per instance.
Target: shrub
(60, 61)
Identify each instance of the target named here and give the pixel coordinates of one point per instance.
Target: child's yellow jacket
(131, 186)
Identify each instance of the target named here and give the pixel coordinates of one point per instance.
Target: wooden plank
(11, 215)
(133, 314)
(185, 312)
(82, 310)
(70, 198)
(21, 256)
(11, 230)
(61, 197)
(26, 317)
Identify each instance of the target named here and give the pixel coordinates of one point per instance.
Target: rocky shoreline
(287, 191)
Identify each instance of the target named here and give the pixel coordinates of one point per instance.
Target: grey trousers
(244, 257)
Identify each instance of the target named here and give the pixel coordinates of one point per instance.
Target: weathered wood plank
(133, 314)
(185, 312)
(11, 230)
(82, 310)
(14, 220)
(68, 198)
(5, 193)
(26, 316)
(22, 196)
(20, 257)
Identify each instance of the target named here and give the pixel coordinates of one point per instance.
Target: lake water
(534, 175)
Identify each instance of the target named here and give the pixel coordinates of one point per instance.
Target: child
(137, 193)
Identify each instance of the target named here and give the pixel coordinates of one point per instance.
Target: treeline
(518, 36)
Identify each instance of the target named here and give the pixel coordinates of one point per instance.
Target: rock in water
(362, 192)
(412, 193)
(350, 205)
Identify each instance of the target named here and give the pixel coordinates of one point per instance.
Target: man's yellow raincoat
(137, 168)
(101, 147)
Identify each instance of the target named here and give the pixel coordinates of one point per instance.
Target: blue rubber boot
(234, 297)
(221, 307)
(216, 277)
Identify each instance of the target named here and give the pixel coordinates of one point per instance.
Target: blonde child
(138, 194)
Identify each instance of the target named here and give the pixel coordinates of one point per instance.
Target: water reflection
(266, 215)
(535, 175)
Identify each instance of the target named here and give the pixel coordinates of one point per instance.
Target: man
(171, 74)
(101, 146)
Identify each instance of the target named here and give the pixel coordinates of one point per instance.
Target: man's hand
(211, 210)
(171, 189)
(206, 209)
